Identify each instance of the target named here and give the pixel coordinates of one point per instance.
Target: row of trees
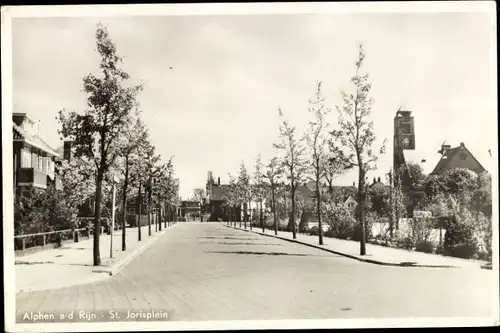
(320, 154)
(324, 152)
(113, 142)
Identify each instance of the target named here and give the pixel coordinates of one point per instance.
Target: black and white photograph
(250, 166)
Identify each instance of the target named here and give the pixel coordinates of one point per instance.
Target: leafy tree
(341, 221)
(136, 134)
(293, 161)
(199, 195)
(259, 187)
(169, 188)
(272, 176)
(356, 134)
(142, 149)
(77, 177)
(231, 197)
(334, 165)
(416, 174)
(153, 172)
(244, 190)
(96, 131)
(317, 142)
(453, 181)
(481, 198)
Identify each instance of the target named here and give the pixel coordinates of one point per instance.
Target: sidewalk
(72, 263)
(376, 254)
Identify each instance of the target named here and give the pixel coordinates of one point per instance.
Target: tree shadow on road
(235, 238)
(228, 243)
(269, 253)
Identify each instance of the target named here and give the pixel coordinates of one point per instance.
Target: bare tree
(272, 175)
(317, 142)
(259, 188)
(293, 161)
(231, 197)
(356, 135)
(244, 190)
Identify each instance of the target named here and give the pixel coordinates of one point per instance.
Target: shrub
(314, 231)
(342, 223)
(329, 233)
(424, 246)
(460, 240)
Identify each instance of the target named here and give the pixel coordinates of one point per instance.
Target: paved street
(205, 271)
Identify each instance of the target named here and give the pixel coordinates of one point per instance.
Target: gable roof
(449, 155)
(32, 139)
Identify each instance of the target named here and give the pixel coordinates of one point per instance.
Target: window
(40, 162)
(463, 157)
(50, 165)
(405, 128)
(25, 159)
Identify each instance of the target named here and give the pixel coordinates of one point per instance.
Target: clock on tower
(405, 143)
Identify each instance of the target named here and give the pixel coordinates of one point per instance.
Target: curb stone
(118, 266)
(371, 261)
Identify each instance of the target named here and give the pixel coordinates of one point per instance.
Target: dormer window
(463, 157)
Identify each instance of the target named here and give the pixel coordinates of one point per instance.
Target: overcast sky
(218, 105)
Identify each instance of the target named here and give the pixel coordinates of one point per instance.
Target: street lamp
(115, 181)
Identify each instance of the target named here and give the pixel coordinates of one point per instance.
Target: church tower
(404, 139)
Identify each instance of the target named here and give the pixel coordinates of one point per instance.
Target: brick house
(34, 160)
(458, 157)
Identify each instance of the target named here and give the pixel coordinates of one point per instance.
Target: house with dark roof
(34, 160)
(215, 204)
(458, 157)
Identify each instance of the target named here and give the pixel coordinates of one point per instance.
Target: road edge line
(370, 261)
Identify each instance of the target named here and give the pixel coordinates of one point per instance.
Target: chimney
(67, 152)
(462, 145)
(374, 180)
(379, 179)
(353, 184)
(218, 181)
(444, 148)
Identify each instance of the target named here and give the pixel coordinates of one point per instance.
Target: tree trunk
(274, 212)
(261, 220)
(245, 215)
(139, 208)
(97, 217)
(159, 218)
(167, 213)
(250, 215)
(149, 209)
(362, 201)
(124, 202)
(294, 231)
(318, 207)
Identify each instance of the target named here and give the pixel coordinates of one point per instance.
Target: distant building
(458, 157)
(190, 210)
(215, 204)
(33, 159)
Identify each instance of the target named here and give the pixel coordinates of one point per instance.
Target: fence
(24, 244)
(30, 243)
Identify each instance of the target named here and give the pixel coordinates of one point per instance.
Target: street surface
(205, 271)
